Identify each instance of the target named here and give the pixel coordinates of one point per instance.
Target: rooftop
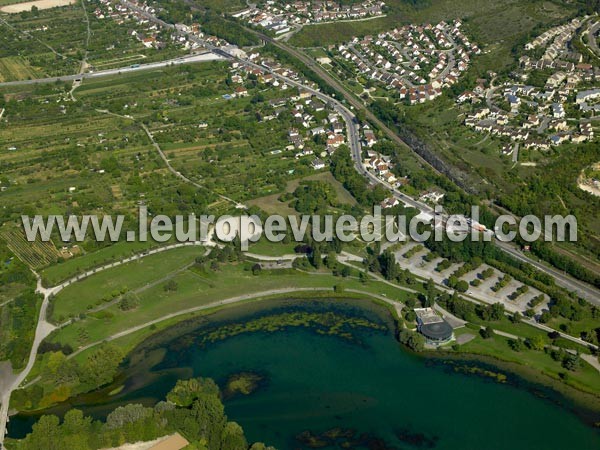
(427, 316)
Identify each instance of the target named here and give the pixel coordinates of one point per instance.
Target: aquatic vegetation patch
(243, 383)
(341, 438)
(470, 369)
(416, 439)
(326, 323)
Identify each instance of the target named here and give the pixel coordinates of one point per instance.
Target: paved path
(583, 289)
(43, 329)
(592, 38)
(225, 302)
(515, 155)
(273, 258)
(592, 360)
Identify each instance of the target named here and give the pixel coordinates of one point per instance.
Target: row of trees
(17, 317)
(18, 328)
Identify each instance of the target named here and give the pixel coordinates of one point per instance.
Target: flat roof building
(435, 329)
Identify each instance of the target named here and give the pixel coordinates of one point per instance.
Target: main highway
(188, 59)
(583, 289)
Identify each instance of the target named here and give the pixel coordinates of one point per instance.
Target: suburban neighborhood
(280, 17)
(413, 62)
(553, 98)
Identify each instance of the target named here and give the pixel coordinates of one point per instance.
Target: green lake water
(368, 388)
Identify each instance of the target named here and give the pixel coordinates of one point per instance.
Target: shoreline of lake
(217, 319)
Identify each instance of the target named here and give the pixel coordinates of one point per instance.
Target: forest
(193, 408)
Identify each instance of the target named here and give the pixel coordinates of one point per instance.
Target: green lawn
(585, 378)
(106, 285)
(53, 275)
(196, 289)
(264, 247)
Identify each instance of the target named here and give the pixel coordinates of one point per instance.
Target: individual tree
(233, 437)
(487, 332)
(571, 362)
(186, 391)
(430, 294)
(170, 286)
(536, 342)
(517, 344)
(462, 286)
(45, 434)
(412, 340)
(346, 271)
(410, 316)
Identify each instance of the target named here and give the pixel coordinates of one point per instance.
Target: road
(88, 37)
(593, 39)
(44, 328)
(583, 289)
(190, 59)
(348, 97)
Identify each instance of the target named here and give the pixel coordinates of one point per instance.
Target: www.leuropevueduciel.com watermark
(346, 228)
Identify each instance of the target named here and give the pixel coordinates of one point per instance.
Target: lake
(354, 388)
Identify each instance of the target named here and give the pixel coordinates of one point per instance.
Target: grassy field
(272, 205)
(194, 288)
(266, 248)
(109, 284)
(585, 378)
(56, 273)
